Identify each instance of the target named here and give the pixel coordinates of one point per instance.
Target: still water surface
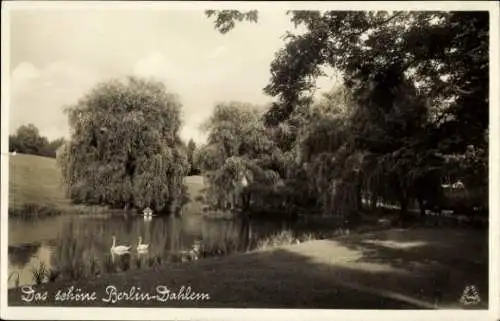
(77, 247)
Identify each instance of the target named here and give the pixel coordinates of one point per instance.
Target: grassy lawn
(36, 180)
(406, 269)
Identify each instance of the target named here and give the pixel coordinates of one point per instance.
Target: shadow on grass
(446, 260)
(348, 273)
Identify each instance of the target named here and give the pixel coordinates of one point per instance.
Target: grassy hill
(37, 180)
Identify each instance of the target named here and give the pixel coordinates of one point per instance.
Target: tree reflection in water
(20, 255)
(81, 247)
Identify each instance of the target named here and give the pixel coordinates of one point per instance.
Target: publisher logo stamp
(470, 296)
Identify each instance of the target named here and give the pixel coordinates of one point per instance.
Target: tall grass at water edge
(287, 237)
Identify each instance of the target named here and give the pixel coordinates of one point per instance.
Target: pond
(76, 247)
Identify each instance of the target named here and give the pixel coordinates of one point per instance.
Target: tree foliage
(236, 158)
(444, 53)
(225, 20)
(28, 140)
(124, 149)
(194, 168)
(391, 62)
(413, 107)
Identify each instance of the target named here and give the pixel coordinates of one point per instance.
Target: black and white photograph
(286, 160)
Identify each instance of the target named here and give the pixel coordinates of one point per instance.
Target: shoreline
(339, 275)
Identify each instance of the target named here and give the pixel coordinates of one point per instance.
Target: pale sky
(56, 56)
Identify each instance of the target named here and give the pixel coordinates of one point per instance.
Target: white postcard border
(252, 314)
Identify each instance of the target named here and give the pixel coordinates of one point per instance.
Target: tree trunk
(245, 201)
(373, 202)
(128, 205)
(359, 198)
(421, 206)
(234, 201)
(404, 206)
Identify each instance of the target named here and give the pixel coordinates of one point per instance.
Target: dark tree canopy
(413, 112)
(27, 140)
(191, 149)
(444, 53)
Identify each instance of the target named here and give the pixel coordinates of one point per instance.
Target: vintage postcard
(250, 160)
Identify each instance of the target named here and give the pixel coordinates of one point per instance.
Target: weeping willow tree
(234, 160)
(392, 125)
(124, 149)
(326, 148)
(371, 148)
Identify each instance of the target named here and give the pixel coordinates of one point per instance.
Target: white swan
(120, 249)
(142, 247)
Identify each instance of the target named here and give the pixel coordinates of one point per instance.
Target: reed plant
(40, 273)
